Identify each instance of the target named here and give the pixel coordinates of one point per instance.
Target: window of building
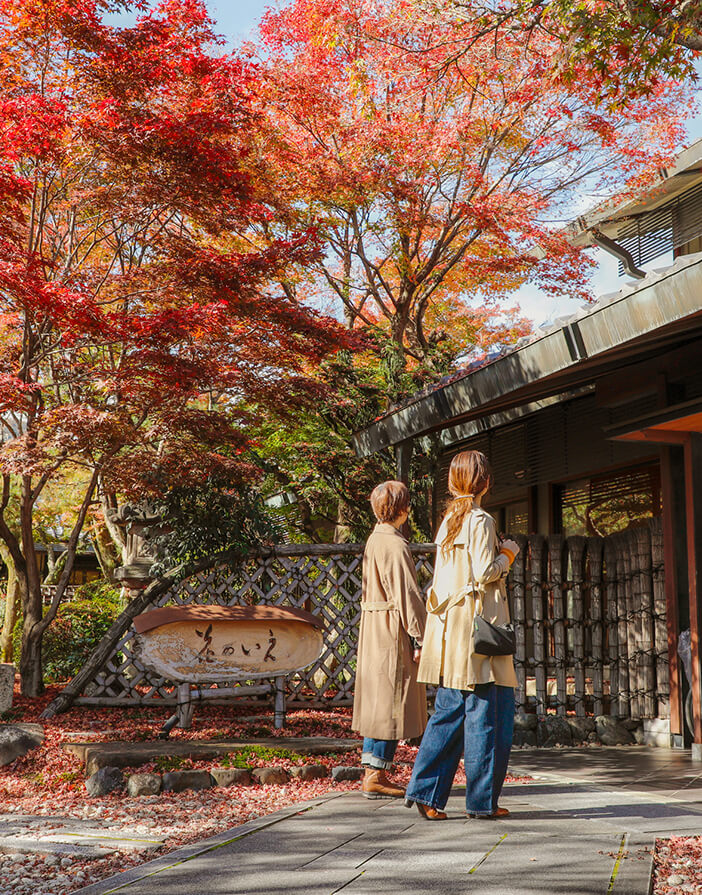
(605, 504)
(511, 518)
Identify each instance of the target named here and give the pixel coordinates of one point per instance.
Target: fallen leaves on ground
(50, 782)
(677, 866)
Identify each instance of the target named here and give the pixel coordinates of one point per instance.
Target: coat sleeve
(400, 582)
(486, 566)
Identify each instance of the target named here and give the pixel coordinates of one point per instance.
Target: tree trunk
(12, 603)
(342, 530)
(106, 551)
(57, 567)
(30, 660)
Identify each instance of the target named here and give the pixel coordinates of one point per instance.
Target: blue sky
(238, 19)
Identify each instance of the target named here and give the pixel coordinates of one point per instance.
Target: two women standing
(474, 704)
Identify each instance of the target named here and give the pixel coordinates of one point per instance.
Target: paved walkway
(586, 826)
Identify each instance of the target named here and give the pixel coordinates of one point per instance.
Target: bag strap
(479, 598)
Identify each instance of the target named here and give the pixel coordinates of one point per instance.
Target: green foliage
(79, 626)
(244, 758)
(166, 763)
(211, 518)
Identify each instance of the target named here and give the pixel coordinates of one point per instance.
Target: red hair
(469, 475)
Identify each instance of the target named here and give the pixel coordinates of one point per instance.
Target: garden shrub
(79, 626)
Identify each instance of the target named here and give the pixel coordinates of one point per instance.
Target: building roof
(664, 308)
(613, 216)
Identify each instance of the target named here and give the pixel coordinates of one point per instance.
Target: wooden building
(594, 426)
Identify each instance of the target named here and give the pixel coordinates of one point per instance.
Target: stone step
(129, 755)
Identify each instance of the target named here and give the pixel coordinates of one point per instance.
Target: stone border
(110, 779)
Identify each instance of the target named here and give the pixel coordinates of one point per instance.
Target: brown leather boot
(376, 785)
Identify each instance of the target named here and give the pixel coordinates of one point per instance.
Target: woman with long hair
(474, 705)
(389, 705)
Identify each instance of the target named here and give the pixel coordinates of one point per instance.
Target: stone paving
(566, 836)
(67, 836)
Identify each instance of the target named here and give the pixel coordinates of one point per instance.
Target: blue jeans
(478, 723)
(378, 753)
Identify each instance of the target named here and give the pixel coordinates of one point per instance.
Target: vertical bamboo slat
(660, 628)
(624, 657)
(518, 593)
(595, 558)
(576, 547)
(648, 701)
(559, 638)
(612, 616)
(537, 549)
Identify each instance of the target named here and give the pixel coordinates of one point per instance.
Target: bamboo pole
(576, 546)
(612, 622)
(595, 557)
(517, 580)
(624, 656)
(648, 699)
(537, 545)
(556, 555)
(660, 628)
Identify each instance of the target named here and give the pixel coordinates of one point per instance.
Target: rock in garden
(104, 781)
(17, 739)
(231, 776)
(553, 730)
(341, 773)
(144, 784)
(581, 728)
(612, 732)
(7, 686)
(525, 721)
(270, 775)
(178, 781)
(675, 880)
(309, 772)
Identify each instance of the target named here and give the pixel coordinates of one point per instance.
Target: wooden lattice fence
(589, 616)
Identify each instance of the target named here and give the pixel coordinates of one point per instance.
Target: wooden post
(610, 555)
(556, 554)
(671, 512)
(693, 515)
(538, 554)
(576, 547)
(403, 456)
(660, 631)
(594, 559)
(517, 581)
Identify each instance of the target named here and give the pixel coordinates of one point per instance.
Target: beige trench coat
(388, 702)
(473, 569)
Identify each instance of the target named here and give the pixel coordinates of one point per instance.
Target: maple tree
(625, 46)
(139, 310)
(436, 157)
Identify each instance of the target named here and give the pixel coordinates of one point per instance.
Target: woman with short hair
(389, 705)
(474, 704)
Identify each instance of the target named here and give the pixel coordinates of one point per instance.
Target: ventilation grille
(670, 227)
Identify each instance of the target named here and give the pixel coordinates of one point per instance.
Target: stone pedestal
(7, 683)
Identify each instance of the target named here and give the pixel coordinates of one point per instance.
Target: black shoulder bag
(489, 639)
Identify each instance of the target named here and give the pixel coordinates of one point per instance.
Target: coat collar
(384, 528)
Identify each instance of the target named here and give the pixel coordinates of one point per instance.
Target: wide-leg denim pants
(476, 723)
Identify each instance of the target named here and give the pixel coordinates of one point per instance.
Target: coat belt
(378, 606)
